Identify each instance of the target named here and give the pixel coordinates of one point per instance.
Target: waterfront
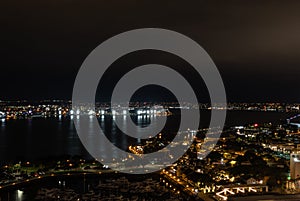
(43, 138)
(88, 186)
(55, 138)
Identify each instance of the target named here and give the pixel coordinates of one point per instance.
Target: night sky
(255, 44)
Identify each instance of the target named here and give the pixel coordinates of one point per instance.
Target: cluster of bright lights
(235, 190)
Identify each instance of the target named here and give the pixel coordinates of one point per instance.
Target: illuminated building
(295, 163)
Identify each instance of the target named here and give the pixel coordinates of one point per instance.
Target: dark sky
(255, 44)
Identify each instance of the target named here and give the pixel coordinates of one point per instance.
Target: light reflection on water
(14, 195)
(45, 137)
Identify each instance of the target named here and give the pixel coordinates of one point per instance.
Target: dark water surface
(40, 138)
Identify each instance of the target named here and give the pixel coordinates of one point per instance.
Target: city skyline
(150, 100)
